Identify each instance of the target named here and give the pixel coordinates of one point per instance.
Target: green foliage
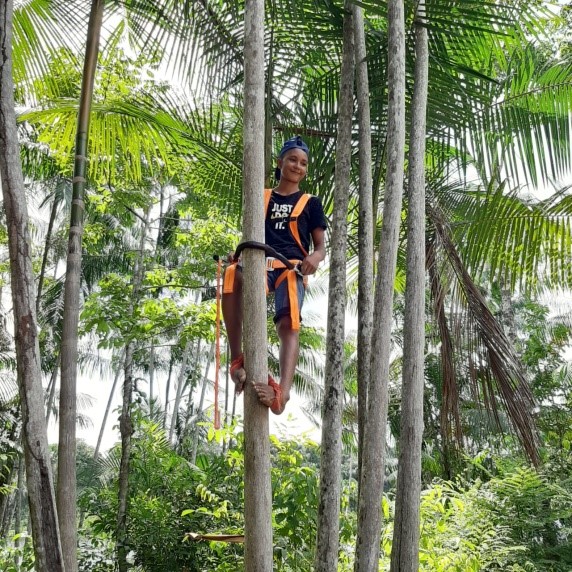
(171, 498)
(17, 549)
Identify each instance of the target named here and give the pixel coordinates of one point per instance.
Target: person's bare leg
(232, 315)
(289, 348)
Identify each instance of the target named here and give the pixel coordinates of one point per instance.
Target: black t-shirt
(278, 234)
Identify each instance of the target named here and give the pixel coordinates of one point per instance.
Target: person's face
(293, 166)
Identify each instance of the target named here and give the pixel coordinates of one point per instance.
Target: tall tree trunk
(257, 490)
(201, 405)
(327, 544)
(8, 499)
(151, 377)
(43, 513)
(167, 389)
(125, 421)
(405, 547)
(365, 228)
(18, 513)
(371, 478)
(180, 384)
(120, 366)
(52, 389)
(66, 491)
(47, 243)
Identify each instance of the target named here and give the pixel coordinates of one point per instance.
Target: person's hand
(310, 263)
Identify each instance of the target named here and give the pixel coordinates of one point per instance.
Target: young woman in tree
(293, 222)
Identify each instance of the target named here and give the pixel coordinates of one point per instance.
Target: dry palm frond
(505, 381)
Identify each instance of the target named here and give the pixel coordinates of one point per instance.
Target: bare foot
(266, 394)
(271, 395)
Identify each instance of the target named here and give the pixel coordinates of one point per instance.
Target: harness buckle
(270, 263)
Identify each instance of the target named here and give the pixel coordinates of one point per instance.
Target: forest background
(163, 194)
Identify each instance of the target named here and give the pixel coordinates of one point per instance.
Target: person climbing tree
(293, 221)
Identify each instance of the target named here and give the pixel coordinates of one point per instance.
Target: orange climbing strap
(291, 276)
(229, 273)
(277, 401)
(217, 345)
(293, 222)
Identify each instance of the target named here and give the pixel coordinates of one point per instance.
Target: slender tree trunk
(18, 512)
(167, 390)
(125, 421)
(201, 405)
(43, 512)
(151, 378)
(196, 363)
(257, 491)
(120, 366)
(327, 544)
(405, 547)
(47, 244)
(9, 499)
(52, 389)
(371, 478)
(180, 384)
(365, 228)
(66, 491)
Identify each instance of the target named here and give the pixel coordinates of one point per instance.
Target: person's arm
(312, 261)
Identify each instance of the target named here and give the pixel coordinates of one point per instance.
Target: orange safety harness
(274, 261)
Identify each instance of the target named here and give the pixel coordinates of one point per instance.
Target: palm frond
(510, 386)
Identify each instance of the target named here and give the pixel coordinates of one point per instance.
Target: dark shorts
(281, 300)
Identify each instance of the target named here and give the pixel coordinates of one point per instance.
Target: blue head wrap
(292, 143)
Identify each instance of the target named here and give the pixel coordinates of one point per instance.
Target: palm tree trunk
(405, 547)
(66, 491)
(365, 228)
(257, 490)
(371, 478)
(41, 498)
(327, 543)
(125, 421)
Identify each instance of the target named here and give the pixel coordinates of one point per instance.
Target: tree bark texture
(371, 478)
(405, 547)
(365, 228)
(327, 544)
(257, 490)
(66, 490)
(41, 498)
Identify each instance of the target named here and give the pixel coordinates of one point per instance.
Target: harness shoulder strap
(267, 195)
(293, 223)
